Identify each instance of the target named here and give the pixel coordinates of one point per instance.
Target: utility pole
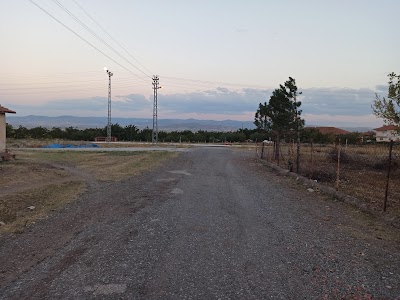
(154, 138)
(108, 139)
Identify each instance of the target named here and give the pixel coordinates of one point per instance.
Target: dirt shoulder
(67, 191)
(38, 183)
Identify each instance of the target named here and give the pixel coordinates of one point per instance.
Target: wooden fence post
(388, 176)
(338, 167)
(262, 151)
(312, 160)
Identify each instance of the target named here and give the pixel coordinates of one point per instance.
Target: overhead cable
(45, 11)
(94, 34)
(123, 48)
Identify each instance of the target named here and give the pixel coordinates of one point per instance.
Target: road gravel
(210, 224)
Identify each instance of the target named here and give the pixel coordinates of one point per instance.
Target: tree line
(132, 133)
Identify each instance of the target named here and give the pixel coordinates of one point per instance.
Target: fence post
(278, 145)
(388, 176)
(262, 150)
(312, 160)
(338, 168)
(298, 155)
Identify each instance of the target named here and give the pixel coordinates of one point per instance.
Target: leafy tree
(57, 133)
(9, 130)
(389, 108)
(39, 133)
(130, 132)
(117, 131)
(21, 132)
(145, 134)
(309, 135)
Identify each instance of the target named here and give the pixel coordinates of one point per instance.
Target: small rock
(177, 191)
(2, 224)
(389, 287)
(310, 190)
(31, 207)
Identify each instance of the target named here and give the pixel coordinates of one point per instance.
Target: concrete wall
(387, 136)
(2, 132)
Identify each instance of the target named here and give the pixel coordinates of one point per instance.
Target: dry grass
(141, 145)
(38, 143)
(106, 165)
(14, 211)
(49, 180)
(363, 170)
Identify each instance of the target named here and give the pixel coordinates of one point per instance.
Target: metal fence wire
(368, 172)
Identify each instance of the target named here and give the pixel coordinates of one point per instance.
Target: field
(39, 182)
(361, 170)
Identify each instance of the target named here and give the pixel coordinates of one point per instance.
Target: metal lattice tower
(109, 107)
(154, 137)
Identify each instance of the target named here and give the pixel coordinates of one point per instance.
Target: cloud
(318, 104)
(217, 101)
(337, 101)
(241, 30)
(342, 120)
(382, 88)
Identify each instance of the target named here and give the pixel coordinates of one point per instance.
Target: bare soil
(209, 224)
(40, 182)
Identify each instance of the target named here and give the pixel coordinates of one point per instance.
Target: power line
(97, 36)
(63, 91)
(214, 82)
(112, 38)
(123, 80)
(41, 8)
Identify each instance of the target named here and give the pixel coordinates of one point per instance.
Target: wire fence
(368, 172)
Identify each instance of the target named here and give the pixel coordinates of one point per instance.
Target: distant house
(330, 130)
(387, 133)
(367, 136)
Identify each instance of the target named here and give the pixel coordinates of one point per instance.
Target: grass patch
(25, 171)
(109, 165)
(14, 211)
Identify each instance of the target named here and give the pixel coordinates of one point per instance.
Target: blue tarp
(71, 146)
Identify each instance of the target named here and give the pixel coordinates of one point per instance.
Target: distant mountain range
(100, 122)
(163, 124)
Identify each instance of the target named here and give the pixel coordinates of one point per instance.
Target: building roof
(387, 127)
(4, 110)
(330, 130)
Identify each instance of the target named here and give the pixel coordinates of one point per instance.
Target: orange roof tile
(330, 130)
(6, 110)
(387, 127)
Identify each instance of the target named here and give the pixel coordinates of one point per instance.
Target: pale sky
(216, 59)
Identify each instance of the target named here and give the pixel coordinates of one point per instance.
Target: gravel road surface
(210, 224)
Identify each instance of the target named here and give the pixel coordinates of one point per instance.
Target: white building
(387, 133)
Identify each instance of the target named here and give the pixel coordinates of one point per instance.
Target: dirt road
(210, 224)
